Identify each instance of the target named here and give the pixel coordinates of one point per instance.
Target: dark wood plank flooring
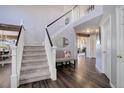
(5, 73)
(85, 75)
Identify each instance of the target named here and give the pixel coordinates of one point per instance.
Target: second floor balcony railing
(75, 13)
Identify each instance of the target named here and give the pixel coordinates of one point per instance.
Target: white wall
(68, 33)
(83, 9)
(93, 45)
(35, 19)
(110, 10)
(98, 53)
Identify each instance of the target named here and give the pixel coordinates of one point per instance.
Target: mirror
(61, 42)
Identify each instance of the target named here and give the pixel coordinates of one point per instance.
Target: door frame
(107, 19)
(118, 53)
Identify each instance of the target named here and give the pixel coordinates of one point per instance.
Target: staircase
(34, 65)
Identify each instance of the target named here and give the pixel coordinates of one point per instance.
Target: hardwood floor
(5, 73)
(85, 75)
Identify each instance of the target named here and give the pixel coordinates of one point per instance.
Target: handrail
(19, 35)
(49, 37)
(62, 16)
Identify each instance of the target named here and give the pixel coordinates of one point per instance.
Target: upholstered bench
(61, 59)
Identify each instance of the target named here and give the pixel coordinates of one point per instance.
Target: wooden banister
(49, 37)
(61, 16)
(19, 35)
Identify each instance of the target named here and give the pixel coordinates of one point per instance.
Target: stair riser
(36, 70)
(34, 79)
(34, 57)
(36, 74)
(33, 63)
(33, 52)
(33, 47)
(33, 67)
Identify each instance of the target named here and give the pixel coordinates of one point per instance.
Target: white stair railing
(17, 52)
(14, 67)
(51, 55)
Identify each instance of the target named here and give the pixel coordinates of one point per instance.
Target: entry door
(120, 47)
(106, 46)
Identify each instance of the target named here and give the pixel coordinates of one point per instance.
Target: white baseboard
(103, 72)
(14, 81)
(54, 74)
(99, 69)
(112, 85)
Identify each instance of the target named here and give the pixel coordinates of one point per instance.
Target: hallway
(85, 75)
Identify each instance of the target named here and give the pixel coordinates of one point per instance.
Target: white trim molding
(100, 70)
(14, 75)
(107, 18)
(111, 85)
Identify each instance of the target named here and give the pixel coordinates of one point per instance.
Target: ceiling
(90, 26)
(8, 31)
(9, 27)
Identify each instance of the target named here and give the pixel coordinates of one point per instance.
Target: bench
(61, 59)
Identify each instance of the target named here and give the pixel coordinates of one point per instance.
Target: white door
(106, 46)
(120, 47)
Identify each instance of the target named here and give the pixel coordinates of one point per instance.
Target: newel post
(14, 68)
(53, 74)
